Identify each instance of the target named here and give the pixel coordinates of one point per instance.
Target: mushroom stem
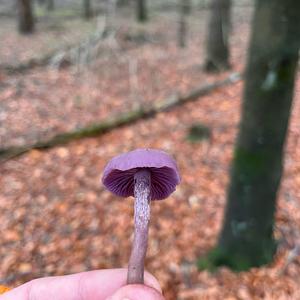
(142, 185)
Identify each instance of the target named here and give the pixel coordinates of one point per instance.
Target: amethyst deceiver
(146, 174)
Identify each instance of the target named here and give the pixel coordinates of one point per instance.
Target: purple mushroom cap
(119, 173)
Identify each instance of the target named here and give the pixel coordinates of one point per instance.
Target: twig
(292, 255)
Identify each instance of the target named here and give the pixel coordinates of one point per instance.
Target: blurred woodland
(211, 82)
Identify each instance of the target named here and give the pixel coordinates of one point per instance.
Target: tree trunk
(25, 17)
(246, 239)
(122, 3)
(50, 5)
(141, 10)
(87, 9)
(110, 14)
(217, 41)
(184, 10)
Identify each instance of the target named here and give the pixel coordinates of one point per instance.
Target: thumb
(136, 292)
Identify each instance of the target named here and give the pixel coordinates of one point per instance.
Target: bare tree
(217, 42)
(50, 5)
(87, 9)
(184, 10)
(25, 17)
(141, 10)
(246, 239)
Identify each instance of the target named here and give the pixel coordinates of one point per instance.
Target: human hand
(107, 284)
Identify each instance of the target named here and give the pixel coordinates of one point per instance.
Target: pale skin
(107, 284)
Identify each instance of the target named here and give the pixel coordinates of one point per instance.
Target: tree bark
(184, 10)
(217, 41)
(141, 10)
(25, 17)
(246, 239)
(87, 9)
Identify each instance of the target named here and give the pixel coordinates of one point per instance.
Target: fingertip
(136, 292)
(151, 281)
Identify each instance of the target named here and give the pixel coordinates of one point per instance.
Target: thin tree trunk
(246, 239)
(184, 10)
(25, 17)
(141, 10)
(217, 42)
(87, 9)
(50, 5)
(110, 14)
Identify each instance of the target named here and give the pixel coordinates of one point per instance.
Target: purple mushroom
(146, 174)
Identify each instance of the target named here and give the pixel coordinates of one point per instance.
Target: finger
(93, 285)
(136, 292)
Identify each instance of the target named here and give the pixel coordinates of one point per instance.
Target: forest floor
(57, 218)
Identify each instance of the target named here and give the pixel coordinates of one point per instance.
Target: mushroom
(146, 174)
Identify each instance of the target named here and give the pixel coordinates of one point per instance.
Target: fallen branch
(62, 58)
(28, 65)
(125, 119)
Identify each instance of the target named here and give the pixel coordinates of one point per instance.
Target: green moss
(235, 260)
(198, 132)
(251, 163)
(217, 258)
